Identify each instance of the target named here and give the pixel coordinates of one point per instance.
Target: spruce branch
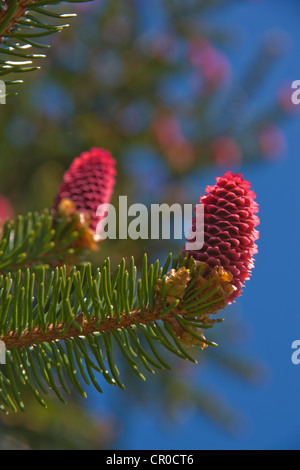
(11, 13)
(43, 239)
(22, 23)
(63, 326)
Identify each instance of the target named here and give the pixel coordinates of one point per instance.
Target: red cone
(89, 182)
(229, 228)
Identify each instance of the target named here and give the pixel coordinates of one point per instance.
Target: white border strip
(2, 352)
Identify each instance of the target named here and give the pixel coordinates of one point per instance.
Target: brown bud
(88, 237)
(214, 278)
(175, 285)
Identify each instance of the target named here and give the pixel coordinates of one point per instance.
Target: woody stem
(12, 15)
(54, 333)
